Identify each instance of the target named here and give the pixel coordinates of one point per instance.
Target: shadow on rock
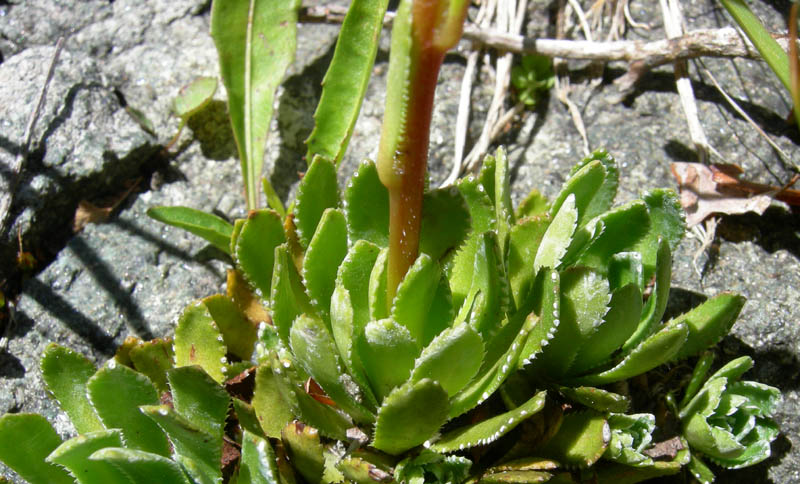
(212, 128)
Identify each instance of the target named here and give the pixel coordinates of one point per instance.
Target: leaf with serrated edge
(304, 449)
(625, 268)
(652, 352)
(256, 43)
(515, 477)
(458, 344)
(257, 464)
(237, 331)
(366, 204)
(415, 295)
(709, 322)
(622, 228)
(504, 211)
(388, 351)
(105, 389)
(25, 440)
(597, 398)
(605, 195)
(490, 288)
(208, 226)
(346, 81)
(255, 248)
(74, 456)
(558, 235)
(445, 221)
(657, 302)
(288, 298)
(580, 441)
(534, 205)
(318, 191)
(548, 292)
(582, 185)
(198, 452)
(199, 399)
(321, 263)
(65, 373)
(199, 342)
(410, 415)
(314, 349)
(489, 430)
(153, 358)
(666, 222)
(272, 412)
(523, 244)
(141, 466)
(378, 305)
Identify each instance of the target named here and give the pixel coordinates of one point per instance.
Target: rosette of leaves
(531, 77)
(727, 420)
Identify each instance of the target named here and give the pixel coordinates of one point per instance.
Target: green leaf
(65, 373)
(257, 464)
(153, 358)
(304, 449)
(584, 184)
(194, 96)
(622, 227)
(315, 350)
(256, 42)
(489, 430)
(410, 415)
(387, 350)
(105, 389)
(580, 442)
(288, 298)
(25, 440)
(445, 221)
(414, 297)
(74, 454)
(457, 344)
(238, 332)
(657, 303)
(504, 211)
(366, 204)
(199, 399)
(558, 236)
(325, 252)
(652, 352)
(255, 248)
(197, 451)
(625, 268)
(666, 222)
(604, 197)
(208, 226)
(700, 470)
(534, 205)
(317, 192)
(709, 322)
(515, 477)
(272, 412)
(547, 295)
(199, 342)
(489, 298)
(481, 206)
(141, 466)
(246, 414)
(597, 398)
(345, 83)
(523, 244)
(378, 305)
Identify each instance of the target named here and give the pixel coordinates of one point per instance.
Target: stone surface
(132, 276)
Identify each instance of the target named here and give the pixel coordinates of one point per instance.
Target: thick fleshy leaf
(257, 464)
(208, 226)
(194, 96)
(504, 211)
(153, 358)
(74, 454)
(199, 399)
(387, 350)
(197, 451)
(410, 415)
(515, 477)
(547, 295)
(255, 248)
(305, 450)
(581, 440)
(65, 373)
(489, 430)
(604, 197)
(105, 389)
(141, 466)
(534, 205)
(630, 436)
(360, 471)
(237, 331)
(700, 470)
(582, 185)
(657, 302)
(243, 295)
(625, 268)
(314, 349)
(325, 252)
(652, 352)
(414, 297)
(256, 42)
(666, 222)
(709, 322)
(366, 204)
(625, 474)
(459, 344)
(445, 221)
(597, 398)
(272, 412)
(557, 238)
(489, 297)
(317, 192)
(523, 244)
(25, 440)
(346, 81)
(481, 205)
(199, 342)
(246, 415)
(378, 304)
(288, 298)
(623, 227)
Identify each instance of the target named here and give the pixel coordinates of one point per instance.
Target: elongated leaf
(458, 344)
(257, 464)
(199, 342)
(272, 412)
(709, 322)
(445, 221)
(325, 252)
(74, 456)
(305, 450)
(105, 389)
(558, 236)
(583, 185)
(597, 399)
(318, 191)
(548, 292)
(604, 197)
(523, 244)
(153, 358)
(238, 332)
(667, 221)
(388, 351)
(366, 204)
(65, 373)
(255, 248)
(208, 226)
(141, 466)
(198, 452)
(346, 81)
(657, 303)
(256, 42)
(288, 299)
(580, 441)
(414, 297)
(378, 304)
(534, 205)
(410, 415)
(194, 96)
(25, 440)
(623, 227)
(489, 430)
(515, 477)
(199, 399)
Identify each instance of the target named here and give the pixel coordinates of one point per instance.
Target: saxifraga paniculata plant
(389, 333)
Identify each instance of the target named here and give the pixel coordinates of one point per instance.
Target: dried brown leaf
(89, 213)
